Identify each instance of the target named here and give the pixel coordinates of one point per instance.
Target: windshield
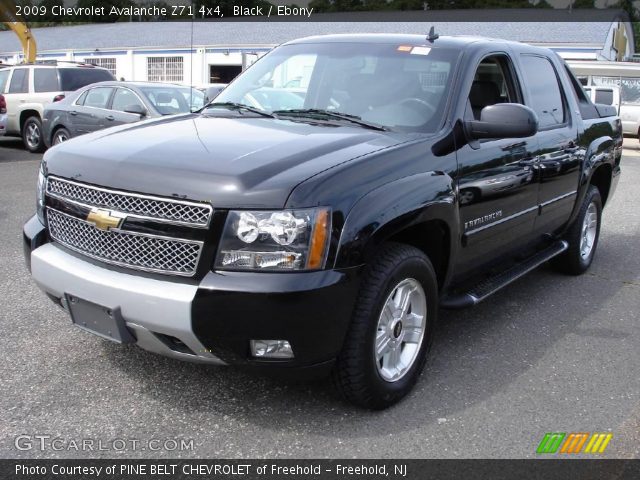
(173, 100)
(396, 86)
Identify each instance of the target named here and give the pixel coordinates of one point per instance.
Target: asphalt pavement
(549, 353)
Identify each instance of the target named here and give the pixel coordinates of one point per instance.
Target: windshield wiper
(238, 107)
(313, 112)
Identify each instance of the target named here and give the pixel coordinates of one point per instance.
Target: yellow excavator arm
(11, 19)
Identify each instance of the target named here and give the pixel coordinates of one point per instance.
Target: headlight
(42, 180)
(275, 240)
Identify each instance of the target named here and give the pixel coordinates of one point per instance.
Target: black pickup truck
(317, 215)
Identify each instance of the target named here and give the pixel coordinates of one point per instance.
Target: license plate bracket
(102, 321)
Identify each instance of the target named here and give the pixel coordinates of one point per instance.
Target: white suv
(29, 88)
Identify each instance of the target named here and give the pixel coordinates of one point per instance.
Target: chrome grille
(154, 208)
(139, 251)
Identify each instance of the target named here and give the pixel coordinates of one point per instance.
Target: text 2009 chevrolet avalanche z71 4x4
(317, 214)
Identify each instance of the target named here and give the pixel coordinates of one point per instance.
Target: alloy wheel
(400, 330)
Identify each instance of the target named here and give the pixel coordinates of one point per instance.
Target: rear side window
(604, 96)
(4, 76)
(19, 81)
(98, 97)
(75, 78)
(45, 80)
(546, 96)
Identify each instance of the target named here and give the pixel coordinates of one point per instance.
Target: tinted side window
(124, 98)
(546, 97)
(19, 81)
(98, 97)
(45, 80)
(4, 76)
(75, 78)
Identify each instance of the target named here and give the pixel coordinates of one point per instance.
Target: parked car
(28, 89)
(3, 115)
(211, 90)
(324, 239)
(106, 104)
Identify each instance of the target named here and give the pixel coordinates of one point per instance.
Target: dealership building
(210, 52)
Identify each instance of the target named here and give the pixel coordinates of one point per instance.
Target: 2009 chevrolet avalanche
(331, 199)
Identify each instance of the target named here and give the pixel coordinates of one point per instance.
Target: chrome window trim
(127, 265)
(137, 195)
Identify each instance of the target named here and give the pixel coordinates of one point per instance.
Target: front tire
(582, 236)
(32, 135)
(391, 330)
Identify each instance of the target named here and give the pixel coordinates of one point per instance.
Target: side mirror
(136, 109)
(503, 120)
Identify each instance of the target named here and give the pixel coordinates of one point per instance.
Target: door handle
(73, 112)
(110, 118)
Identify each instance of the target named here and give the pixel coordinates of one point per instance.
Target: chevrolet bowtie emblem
(104, 219)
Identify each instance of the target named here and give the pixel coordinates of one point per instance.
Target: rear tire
(32, 135)
(60, 135)
(582, 236)
(388, 340)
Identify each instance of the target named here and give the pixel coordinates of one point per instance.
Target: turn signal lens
(319, 240)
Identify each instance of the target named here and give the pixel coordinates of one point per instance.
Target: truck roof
(445, 41)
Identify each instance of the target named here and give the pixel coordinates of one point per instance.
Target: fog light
(271, 349)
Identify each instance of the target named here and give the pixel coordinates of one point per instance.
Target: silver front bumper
(148, 306)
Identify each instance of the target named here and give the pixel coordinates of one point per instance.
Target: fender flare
(601, 151)
(394, 207)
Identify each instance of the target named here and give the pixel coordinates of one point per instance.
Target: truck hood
(228, 161)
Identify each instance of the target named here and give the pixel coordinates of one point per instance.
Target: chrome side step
(492, 284)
